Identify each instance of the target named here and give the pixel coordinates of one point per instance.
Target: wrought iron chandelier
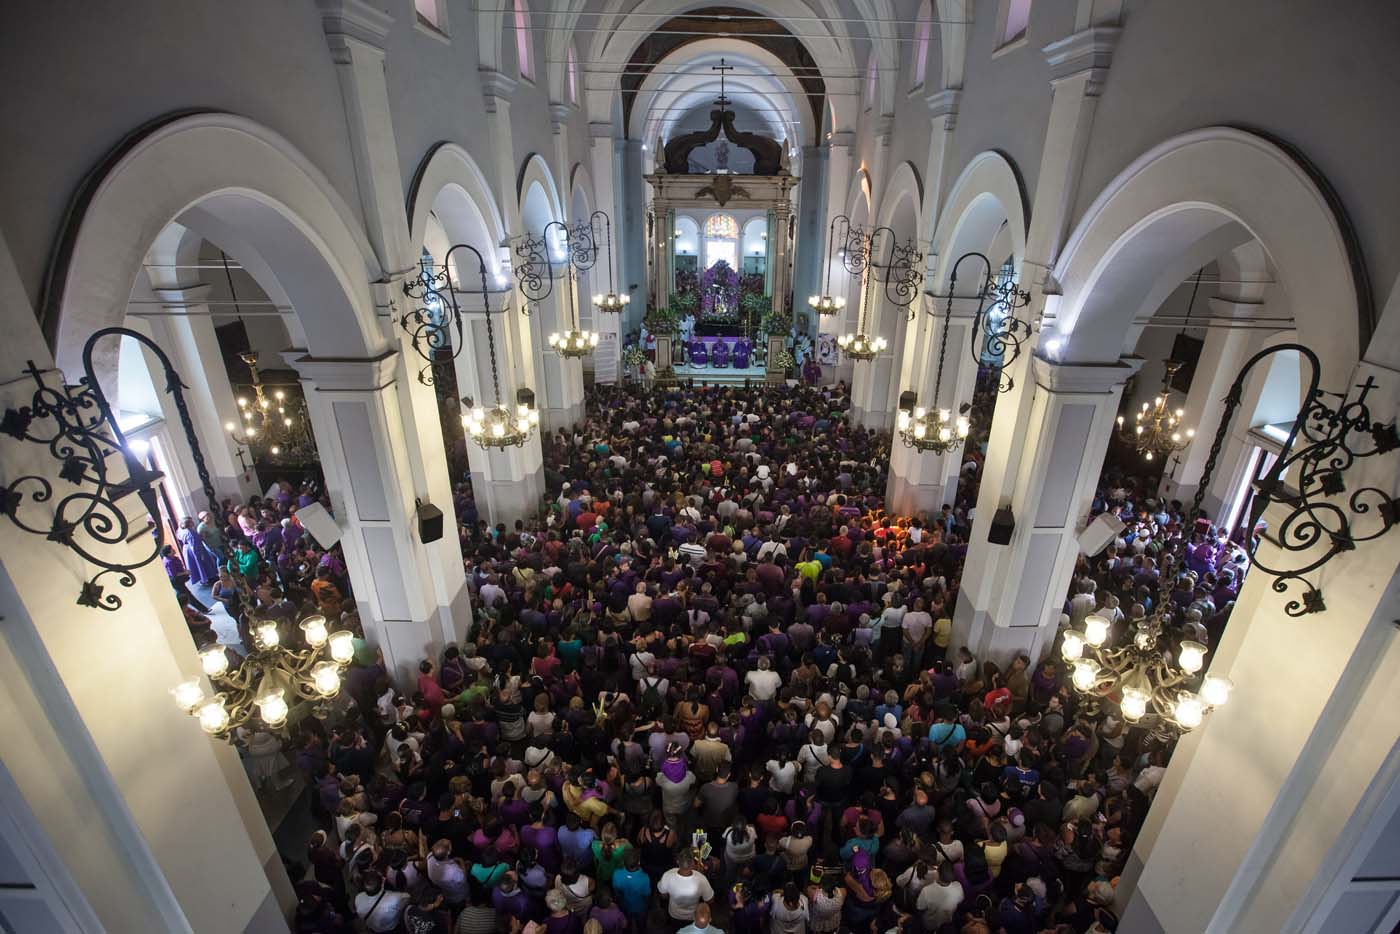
(933, 429)
(499, 426)
(1163, 691)
(1157, 431)
(574, 343)
(276, 423)
(270, 679)
(610, 302)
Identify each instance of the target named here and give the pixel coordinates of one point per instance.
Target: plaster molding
(354, 19)
(496, 86)
(843, 138)
(348, 374)
(1083, 378)
(1087, 53)
(558, 117)
(945, 104)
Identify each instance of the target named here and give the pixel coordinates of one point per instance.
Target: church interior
(612, 466)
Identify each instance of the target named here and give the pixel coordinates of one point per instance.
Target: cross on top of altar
(722, 67)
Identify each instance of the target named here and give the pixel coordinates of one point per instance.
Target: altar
(735, 232)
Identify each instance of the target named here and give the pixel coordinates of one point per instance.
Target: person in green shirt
(245, 561)
(810, 569)
(609, 853)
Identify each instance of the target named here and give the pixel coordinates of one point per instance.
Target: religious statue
(784, 161)
(659, 158)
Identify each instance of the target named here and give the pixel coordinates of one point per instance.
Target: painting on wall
(827, 352)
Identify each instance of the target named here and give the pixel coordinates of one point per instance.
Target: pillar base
(989, 641)
(908, 497)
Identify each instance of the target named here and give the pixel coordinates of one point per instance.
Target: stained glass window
(721, 227)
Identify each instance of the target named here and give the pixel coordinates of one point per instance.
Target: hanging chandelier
(270, 680)
(933, 429)
(573, 343)
(609, 302)
(1156, 431)
(1155, 689)
(275, 422)
(500, 426)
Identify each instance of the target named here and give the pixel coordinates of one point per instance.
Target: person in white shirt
(938, 902)
(448, 874)
(379, 908)
(683, 888)
(763, 682)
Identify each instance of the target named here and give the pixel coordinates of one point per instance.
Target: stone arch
(535, 176)
(1212, 189)
(225, 171)
(612, 49)
(986, 199)
(450, 185)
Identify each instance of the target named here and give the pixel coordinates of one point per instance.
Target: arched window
(921, 39)
(721, 240)
(571, 64)
(1018, 20)
(721, 227)
(523, 55)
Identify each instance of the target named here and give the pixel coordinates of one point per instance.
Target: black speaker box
(429, 523)
(1003, 524)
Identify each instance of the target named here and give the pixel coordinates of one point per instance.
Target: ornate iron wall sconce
(432, 324)
(996, 333)
(899, 272)
(1318, 514)
(89, 519)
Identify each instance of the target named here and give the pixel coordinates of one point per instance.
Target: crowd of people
(713, 688)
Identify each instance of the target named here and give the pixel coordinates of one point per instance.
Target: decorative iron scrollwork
(84, 434)
(997, 333)
(1321, 507)
(438, 314)
(575, 248)
(897, 266)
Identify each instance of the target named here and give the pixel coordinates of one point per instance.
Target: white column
(1278, 780)
(501, 481)
(838, 181)
(193, 346)
(356, 33)
(1225, 350)
(407, 609)
(871, 380)
(125, 786)
(1079, 66)
(603, 170)
(520, 357)
(1073, 407)
(810, 249)
(917, 481)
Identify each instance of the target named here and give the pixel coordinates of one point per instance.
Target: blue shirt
(632, 889)
(577, 845)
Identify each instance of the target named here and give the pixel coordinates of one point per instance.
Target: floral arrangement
(685, 303)
(775, 322)
(663, 321)
(783, 360)
(719, 285)
(634, 356)
(751, 283)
